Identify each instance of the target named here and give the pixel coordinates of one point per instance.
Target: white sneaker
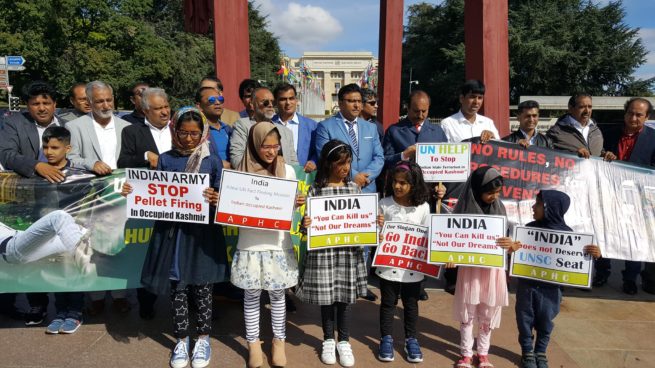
(328, 354)
(346, 357)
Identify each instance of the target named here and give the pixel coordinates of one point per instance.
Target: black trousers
(202, 298)
(409, 293)
(343, 314)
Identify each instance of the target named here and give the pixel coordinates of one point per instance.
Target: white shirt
(162, 138)
(418, 215)
(346, 123)
(584, 130)
(293, 124)
(41, 129)
(457, 128)
(108, 141)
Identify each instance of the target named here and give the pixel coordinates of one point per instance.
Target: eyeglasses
(183, 134)
(352, 101)
(372, 103)
(268, 103)
(213, 99)
(268, 147)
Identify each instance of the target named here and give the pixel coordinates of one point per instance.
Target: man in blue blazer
(401, 138)
(361, 135)
(635, 143)
(303, 128)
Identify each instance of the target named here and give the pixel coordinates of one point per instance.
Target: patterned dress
(334, 274)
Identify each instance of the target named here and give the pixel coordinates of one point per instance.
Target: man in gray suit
(96, 138)
(20, 141)
(263, 105)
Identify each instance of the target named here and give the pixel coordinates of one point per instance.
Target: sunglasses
(213, 99)
(268, 103)
(372, 103)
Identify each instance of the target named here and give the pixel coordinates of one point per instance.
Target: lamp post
(411, 81)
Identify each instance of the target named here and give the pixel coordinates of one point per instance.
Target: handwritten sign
(468, 240)
(167, 196)
(552, 256)
(256, 201)
(444, 162)
(342, 221)
(405, 246)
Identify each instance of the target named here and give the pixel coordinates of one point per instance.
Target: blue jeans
(536, 307)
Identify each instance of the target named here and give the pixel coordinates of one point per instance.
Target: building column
(487, 56)
(390, 60)
(231, 48)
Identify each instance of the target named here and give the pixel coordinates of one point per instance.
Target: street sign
(15, 60)
(15, 67)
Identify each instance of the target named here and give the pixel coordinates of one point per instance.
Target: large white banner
(168, 196)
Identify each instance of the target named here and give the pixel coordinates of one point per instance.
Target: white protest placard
(405, 246)
(468, 240)
(256, 201)
(168, 196)
(552, 256)
(342, 221)
(444, 162)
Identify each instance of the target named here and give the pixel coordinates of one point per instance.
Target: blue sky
(353, 25)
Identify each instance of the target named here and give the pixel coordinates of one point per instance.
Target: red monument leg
(231, 47)
(391, 60)
(487, 56)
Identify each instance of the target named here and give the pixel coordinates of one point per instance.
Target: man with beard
(96, 139)
(263, 105)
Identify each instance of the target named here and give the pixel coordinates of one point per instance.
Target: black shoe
(450, 289)
(424, 296)
(600, 280)
(35, 316)
(370, 296)
(630, 287)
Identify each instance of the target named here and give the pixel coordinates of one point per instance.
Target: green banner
(113, 255)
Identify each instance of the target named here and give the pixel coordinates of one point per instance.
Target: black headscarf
(481, 181)
(556, 204)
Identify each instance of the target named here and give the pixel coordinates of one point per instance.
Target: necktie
(353, 136)
(418, 127)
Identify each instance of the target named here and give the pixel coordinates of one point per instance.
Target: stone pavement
(598, 329)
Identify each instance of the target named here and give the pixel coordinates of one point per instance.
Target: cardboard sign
(444, 162)
(256, 201)
(342, 221)
(167, 196)
(552, 256)
(405, 246)
(468, 240)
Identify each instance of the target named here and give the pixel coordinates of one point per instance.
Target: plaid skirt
(333, 275)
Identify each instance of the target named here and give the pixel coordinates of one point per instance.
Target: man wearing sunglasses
(136, 116)
(263, 107)
(370, 110)
(228, 116)
(210, 101)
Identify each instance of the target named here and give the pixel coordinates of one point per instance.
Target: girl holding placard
(334, 277)
(186, 259)
(265, 259)
(480, 293)
(408, 204)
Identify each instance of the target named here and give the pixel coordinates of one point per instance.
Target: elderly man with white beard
(96, 138)
(263, 105)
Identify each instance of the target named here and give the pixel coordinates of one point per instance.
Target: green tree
(265, 51)
(119, 41)
(556, 47)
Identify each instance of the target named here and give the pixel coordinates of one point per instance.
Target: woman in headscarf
(480, 293)
(265, 259)
(186, 259)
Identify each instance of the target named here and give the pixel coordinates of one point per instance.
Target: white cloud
(648, 38)
(303, 27)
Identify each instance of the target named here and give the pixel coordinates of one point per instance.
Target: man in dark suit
(633, 143)
(142, 143)
(370, 110)
(302, 127)
(527, 134)
(401, 138)
(136, 116)
(20, 141)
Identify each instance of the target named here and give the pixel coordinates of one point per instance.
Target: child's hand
(508, 244)
(300, 199)
(380, 221)
(440, 189)
(450, 265)
(306, 222)
(127, 189)
(211, 196)
(593, 250)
